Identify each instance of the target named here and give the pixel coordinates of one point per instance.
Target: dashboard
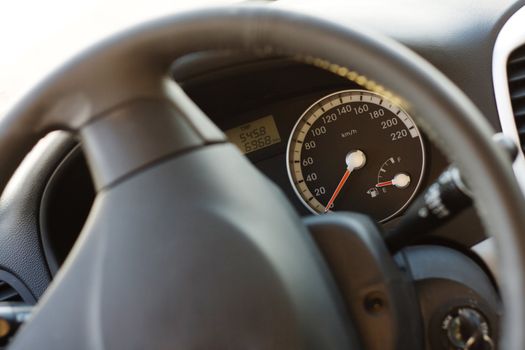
(261, 104)
(265, 105)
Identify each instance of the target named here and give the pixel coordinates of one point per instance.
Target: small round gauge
(355, 150)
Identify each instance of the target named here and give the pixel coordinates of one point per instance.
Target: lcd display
(255, 135)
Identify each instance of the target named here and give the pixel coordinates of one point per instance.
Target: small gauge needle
(354, 160)
(401, 180)
(385, 184)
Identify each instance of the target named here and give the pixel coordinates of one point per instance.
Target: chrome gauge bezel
(386, 103)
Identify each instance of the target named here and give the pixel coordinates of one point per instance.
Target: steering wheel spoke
(136, 134)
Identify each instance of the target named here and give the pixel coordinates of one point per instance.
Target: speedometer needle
(354, 160)
(337, 190)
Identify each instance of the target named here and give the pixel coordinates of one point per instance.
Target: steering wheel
(187, 245)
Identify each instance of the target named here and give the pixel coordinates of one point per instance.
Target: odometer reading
(355, 150)
(255, 135)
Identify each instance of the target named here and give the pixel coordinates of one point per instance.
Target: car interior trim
(511, 36)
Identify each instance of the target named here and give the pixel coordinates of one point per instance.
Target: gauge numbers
(355, 150)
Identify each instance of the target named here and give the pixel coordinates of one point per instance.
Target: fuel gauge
(391, 175)
(393, 181)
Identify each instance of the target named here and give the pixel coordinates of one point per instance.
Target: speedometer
(355, 150)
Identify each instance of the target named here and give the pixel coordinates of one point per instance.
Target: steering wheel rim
(79, 94)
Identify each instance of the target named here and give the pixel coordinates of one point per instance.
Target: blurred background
(37, 36)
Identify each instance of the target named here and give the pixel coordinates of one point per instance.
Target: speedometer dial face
(355, 150)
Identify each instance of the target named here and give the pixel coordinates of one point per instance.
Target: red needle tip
(337, 190)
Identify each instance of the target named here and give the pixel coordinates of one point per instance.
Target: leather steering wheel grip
(97, 91)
